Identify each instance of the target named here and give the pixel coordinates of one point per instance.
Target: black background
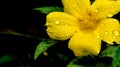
(19, 16)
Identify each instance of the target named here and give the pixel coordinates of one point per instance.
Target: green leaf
(114, 53)
(43, 46)
(85, 61)
(46, 10)
(88, 61)
(6, 58)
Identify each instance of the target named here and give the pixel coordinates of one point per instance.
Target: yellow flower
(85, 24)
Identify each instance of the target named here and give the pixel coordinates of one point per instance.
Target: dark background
(19, 16)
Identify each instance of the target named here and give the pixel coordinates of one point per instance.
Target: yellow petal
(109, 30)
(61, 26)
(107, 8)
(78, 8)
(85, 43)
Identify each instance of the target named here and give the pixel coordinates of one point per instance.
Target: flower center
(89, 24)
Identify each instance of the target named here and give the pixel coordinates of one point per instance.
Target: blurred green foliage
(46, 10)
(43, 46)
(6, 59)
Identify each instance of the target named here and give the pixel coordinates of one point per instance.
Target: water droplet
(65, 6)
(67, 35)
(48, 28)
(114, 20)
(116, 33)
(101, 37)
(112, 6)
(98, 36)
(51, 31)
(68, 16)
(110, 15)
(66, 25)
(57, 22)
(109, 42)
(96, 10)
(97, 52)
(74, 6)
(106, 32)
(51, 13)
(46, 24)
(102, 24)
(114, 37)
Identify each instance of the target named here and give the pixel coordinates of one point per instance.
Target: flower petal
(85, 43)
(107, 8)
(61, 26)
(78, 8)
(109, 30)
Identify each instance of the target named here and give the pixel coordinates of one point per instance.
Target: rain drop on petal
(110, 15)
(57, 22)
(116, 33)
(106, 32)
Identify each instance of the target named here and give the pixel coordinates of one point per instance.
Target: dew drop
(101, 37)
(112, 6)
(96, 10)
(110, 15)
(106, 32)
(114, 20)
(98, 36)
(66, 25)
(51, 13)
(48, 28)
(102, 24)
(46, 24)
(65, 6)
(114, 37)
(51, 31)
(109, 42)
(57, 22)
(116, 33)
(74, 6)
(67, 35)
